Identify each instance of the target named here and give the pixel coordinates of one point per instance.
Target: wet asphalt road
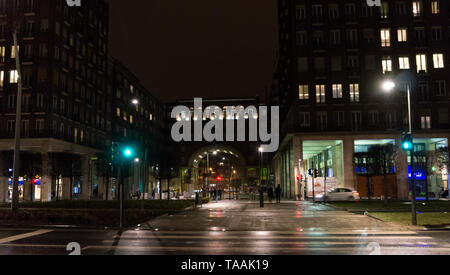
(236, 227)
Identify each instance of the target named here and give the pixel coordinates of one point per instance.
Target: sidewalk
(248, 216)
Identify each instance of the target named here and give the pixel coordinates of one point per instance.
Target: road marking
(324, 242)
(293, 232)
(222, 238)
(263, 249)
(24, 236)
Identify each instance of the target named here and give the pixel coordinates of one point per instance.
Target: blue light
(419, 175)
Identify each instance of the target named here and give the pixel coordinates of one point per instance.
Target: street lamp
(388, 86)
(261, 150)
(135, 101)
(16, 161)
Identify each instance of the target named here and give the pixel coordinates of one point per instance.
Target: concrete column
(3, 189)
(66, 189)
(27, 191)
(102, 190)
(46, 178)
(3, 179)
(298, 167)
(338, 164)
(401, 171)
(86, 188)
(349, 169)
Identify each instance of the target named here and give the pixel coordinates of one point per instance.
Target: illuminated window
(386, 64)
(13, 76)
(354, 93)
(402, 35)
(303, 91)
(385, 37)
(2, 78)
(320, 94)
(2, 52)
(403, 63)
(131, 119)
(421, 62)
(13, 51)
(438, 60)
(417, 8)
(118, 112)
(425, 122)
(337, 90)
(435, 7)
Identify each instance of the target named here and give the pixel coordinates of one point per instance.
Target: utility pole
(16, 163)
(313, 181)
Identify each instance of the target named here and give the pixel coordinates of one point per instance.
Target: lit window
(402, 35)
(387, 64)
(13, 51)
(417, 8)
(385, 38)
(438, 60)
(425, 122)
(303, 91)
(118, 112)
(421, 62)
(435, 7)
(13, 76)
(337, 90)
(403, 63)
(2, 78)
(354, 92)
(320, 94)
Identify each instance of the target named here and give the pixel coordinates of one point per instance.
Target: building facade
(334, 59)
(72, 90)
(138, 120)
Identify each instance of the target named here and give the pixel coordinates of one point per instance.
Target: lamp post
(388, 86)
(261, 193)
(16, 161)
(261, 151)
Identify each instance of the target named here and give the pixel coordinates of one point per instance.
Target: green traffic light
(128, 152)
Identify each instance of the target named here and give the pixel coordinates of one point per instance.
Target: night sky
(185, 48)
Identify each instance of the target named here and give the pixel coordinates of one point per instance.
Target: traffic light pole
(121, 182)
(413, 180)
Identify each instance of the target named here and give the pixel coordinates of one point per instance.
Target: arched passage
(220, 167)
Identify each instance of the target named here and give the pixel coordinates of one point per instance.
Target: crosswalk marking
(256, 249)
(24, 236)
(222, 238)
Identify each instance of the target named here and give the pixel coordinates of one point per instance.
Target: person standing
(278, 193)
(270, 194)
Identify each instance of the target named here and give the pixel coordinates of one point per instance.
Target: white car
(339, 194)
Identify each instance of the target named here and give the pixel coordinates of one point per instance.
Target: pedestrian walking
(270, 194)
(278, 193)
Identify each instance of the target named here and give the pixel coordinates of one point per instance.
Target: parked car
(339, 194)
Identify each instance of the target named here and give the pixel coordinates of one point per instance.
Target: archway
(218, 167)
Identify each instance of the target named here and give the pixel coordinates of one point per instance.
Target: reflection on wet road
(238, 227)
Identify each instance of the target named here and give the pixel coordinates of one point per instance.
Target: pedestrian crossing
(271, 243)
